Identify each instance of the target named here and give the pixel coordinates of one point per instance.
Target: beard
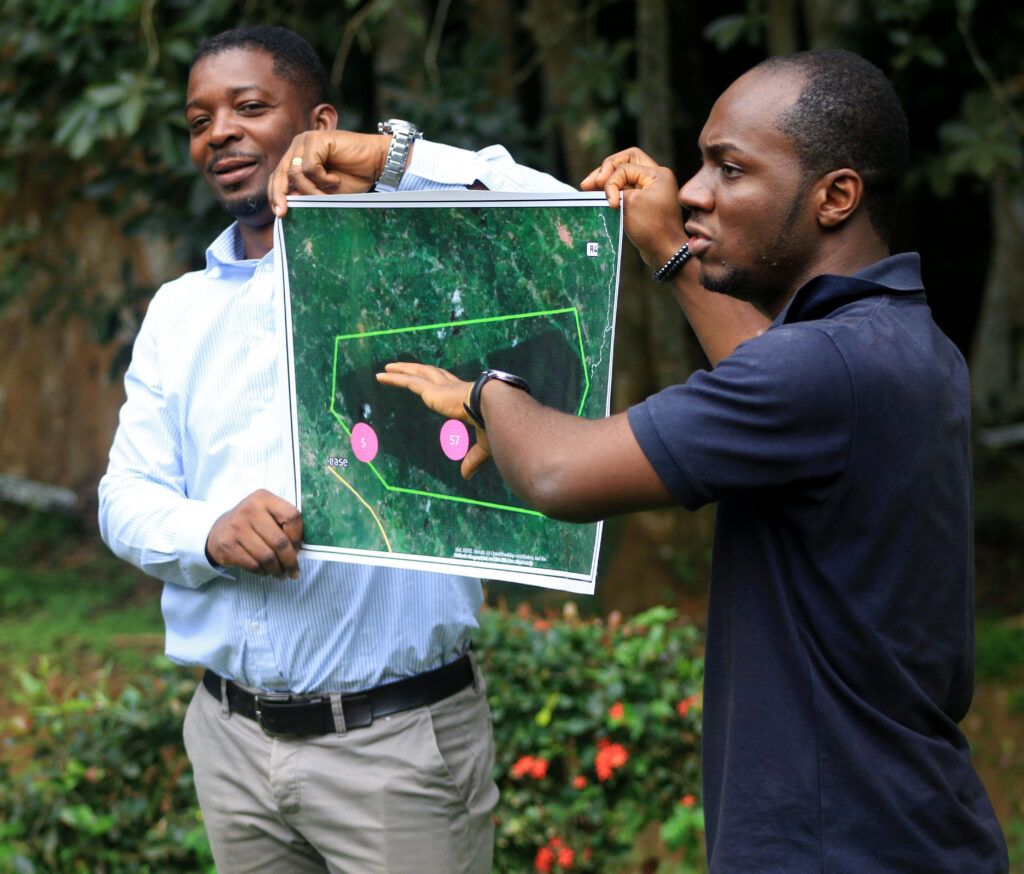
(245, 205)
(730, 280)
(774, 260)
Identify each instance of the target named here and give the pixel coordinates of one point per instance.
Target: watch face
(510, 378)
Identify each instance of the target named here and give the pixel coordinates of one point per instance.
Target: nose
(223, 129)
(695, 195)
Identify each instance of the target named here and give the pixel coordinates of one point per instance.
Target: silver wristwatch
(403, 135)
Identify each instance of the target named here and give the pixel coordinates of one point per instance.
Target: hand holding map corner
(327, 162)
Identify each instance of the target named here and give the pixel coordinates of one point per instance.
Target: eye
(731, 171)
(251, 106)
(197, 123)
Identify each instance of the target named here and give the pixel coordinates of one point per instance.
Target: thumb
(476, 458)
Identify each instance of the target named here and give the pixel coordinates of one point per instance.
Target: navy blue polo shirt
(840, 650)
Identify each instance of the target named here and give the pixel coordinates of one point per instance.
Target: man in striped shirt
(341, 723)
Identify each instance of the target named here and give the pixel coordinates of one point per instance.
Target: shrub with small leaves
(597, 728)
(596, 725)
(100, 783)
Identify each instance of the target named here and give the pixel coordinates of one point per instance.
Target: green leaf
(725, 32)
(130, 113)
(105, 96)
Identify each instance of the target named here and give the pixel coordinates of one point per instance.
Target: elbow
(556, 493)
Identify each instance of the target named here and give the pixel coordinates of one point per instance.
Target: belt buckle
(259, 714)
(273, 699)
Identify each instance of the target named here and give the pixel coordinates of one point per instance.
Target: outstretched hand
(653, 219)
(327, 162)
(444, 393)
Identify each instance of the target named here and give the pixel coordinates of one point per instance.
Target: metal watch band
(472, 406)
(403, 135)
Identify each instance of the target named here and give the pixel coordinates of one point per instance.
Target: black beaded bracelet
(671, 267)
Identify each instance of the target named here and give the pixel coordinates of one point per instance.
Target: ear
(323, 116)
(837, 195)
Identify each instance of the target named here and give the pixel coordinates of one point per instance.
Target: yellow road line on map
(376, 518)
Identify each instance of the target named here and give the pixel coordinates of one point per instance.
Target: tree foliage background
(91, 123)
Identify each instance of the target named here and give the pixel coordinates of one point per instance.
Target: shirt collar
(816, 298)
(228, 251)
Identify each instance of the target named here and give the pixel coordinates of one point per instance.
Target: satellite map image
(465, 281)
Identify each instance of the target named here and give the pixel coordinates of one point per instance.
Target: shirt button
(255, 626)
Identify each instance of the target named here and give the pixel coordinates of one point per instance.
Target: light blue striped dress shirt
(205, 424)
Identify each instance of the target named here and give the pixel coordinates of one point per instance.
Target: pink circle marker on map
(364, 442)
(454, 439)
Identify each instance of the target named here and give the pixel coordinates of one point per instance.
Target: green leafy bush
(597, 729)
(100, 783)
(596, 724)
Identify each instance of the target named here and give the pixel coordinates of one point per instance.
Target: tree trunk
(672, 352)
(495, 20)
(997, 361)
(781, 30)
(556, 28)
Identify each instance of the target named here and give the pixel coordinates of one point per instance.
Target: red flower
(579, 782)
(616, 712)
(529, 765)
(522, 767)
(544, 860)
(609, 758)
(688, 800)
(539, 769)
(683, 707)
(566, 856)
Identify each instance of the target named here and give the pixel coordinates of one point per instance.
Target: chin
(245, 206)
(729, 280)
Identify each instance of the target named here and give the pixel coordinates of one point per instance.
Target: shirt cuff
(440, 164)
(197, 519)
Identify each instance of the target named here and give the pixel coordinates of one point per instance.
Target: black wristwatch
(472, 404)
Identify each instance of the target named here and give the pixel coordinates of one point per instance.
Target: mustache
(216, 159)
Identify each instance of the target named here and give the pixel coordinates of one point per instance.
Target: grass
(64, 596)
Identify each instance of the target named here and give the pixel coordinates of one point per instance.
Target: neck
(840, 259)
(257, 240)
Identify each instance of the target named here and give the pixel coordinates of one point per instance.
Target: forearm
(158, 530)
(146, 514)
(569, 468)
(720, 322)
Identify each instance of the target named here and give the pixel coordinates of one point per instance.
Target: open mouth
(698, 241)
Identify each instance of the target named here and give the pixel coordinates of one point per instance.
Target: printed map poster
(464, 280)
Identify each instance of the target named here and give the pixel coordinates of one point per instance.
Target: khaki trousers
(410, 793)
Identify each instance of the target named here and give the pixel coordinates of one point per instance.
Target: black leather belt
(280, 713)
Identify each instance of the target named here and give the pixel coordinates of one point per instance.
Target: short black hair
(848, 115)
(295, 60)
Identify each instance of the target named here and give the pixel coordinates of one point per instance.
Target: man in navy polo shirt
(833, 432)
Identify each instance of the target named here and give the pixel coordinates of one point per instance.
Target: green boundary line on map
(366, 334)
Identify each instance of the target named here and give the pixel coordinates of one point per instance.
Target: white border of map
(543, 577)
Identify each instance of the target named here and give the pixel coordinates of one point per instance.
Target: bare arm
(567, 467)
(654, 224)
